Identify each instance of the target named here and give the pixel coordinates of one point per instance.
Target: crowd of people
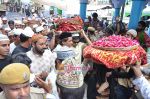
(38, 62)
(25, 9)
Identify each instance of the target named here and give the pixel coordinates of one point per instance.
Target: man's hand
(82, 32)
(53, 32)
(43, 75)
(103, 86)
(137, 70)
(44, 85)
(108, 74)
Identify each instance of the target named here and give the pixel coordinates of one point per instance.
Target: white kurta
(46, 62)
(12, 47)
(143, 85)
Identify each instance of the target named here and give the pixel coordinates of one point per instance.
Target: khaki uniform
(34, 94)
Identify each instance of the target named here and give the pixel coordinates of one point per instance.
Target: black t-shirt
(20, 49)
(5, 62)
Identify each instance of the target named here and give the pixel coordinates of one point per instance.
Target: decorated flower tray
(69, 31)
(115, 51)
(116, 58)
(116, 48)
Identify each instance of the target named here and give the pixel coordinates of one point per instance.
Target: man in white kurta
(43, 60)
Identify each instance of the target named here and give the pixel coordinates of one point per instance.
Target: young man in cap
(17, 86)
(65, 40)
(25, 39)
(5, 59)
(78, 47)
(41, 30)
(16, 39)
(11, 36)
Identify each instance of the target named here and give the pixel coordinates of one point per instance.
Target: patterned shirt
(46, 62)
(71, 76)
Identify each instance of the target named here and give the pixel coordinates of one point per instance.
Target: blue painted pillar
(136, 11)
(117, 4)
(83, 6)
(117, 12)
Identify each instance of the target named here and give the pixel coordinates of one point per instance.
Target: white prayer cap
(4, 18)
(132, 32)
(25, 21)
(28, 32)
(18, 31)
(19, 22)
(35, 26)
(75, 34)
(39, 29)
(7, 29)
(4, 37)
(11, 33)
(29, 19)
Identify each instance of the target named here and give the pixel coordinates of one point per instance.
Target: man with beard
(5, 59)
(4, 22)
(43, 60)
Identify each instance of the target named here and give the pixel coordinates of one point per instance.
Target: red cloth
(115, 59)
